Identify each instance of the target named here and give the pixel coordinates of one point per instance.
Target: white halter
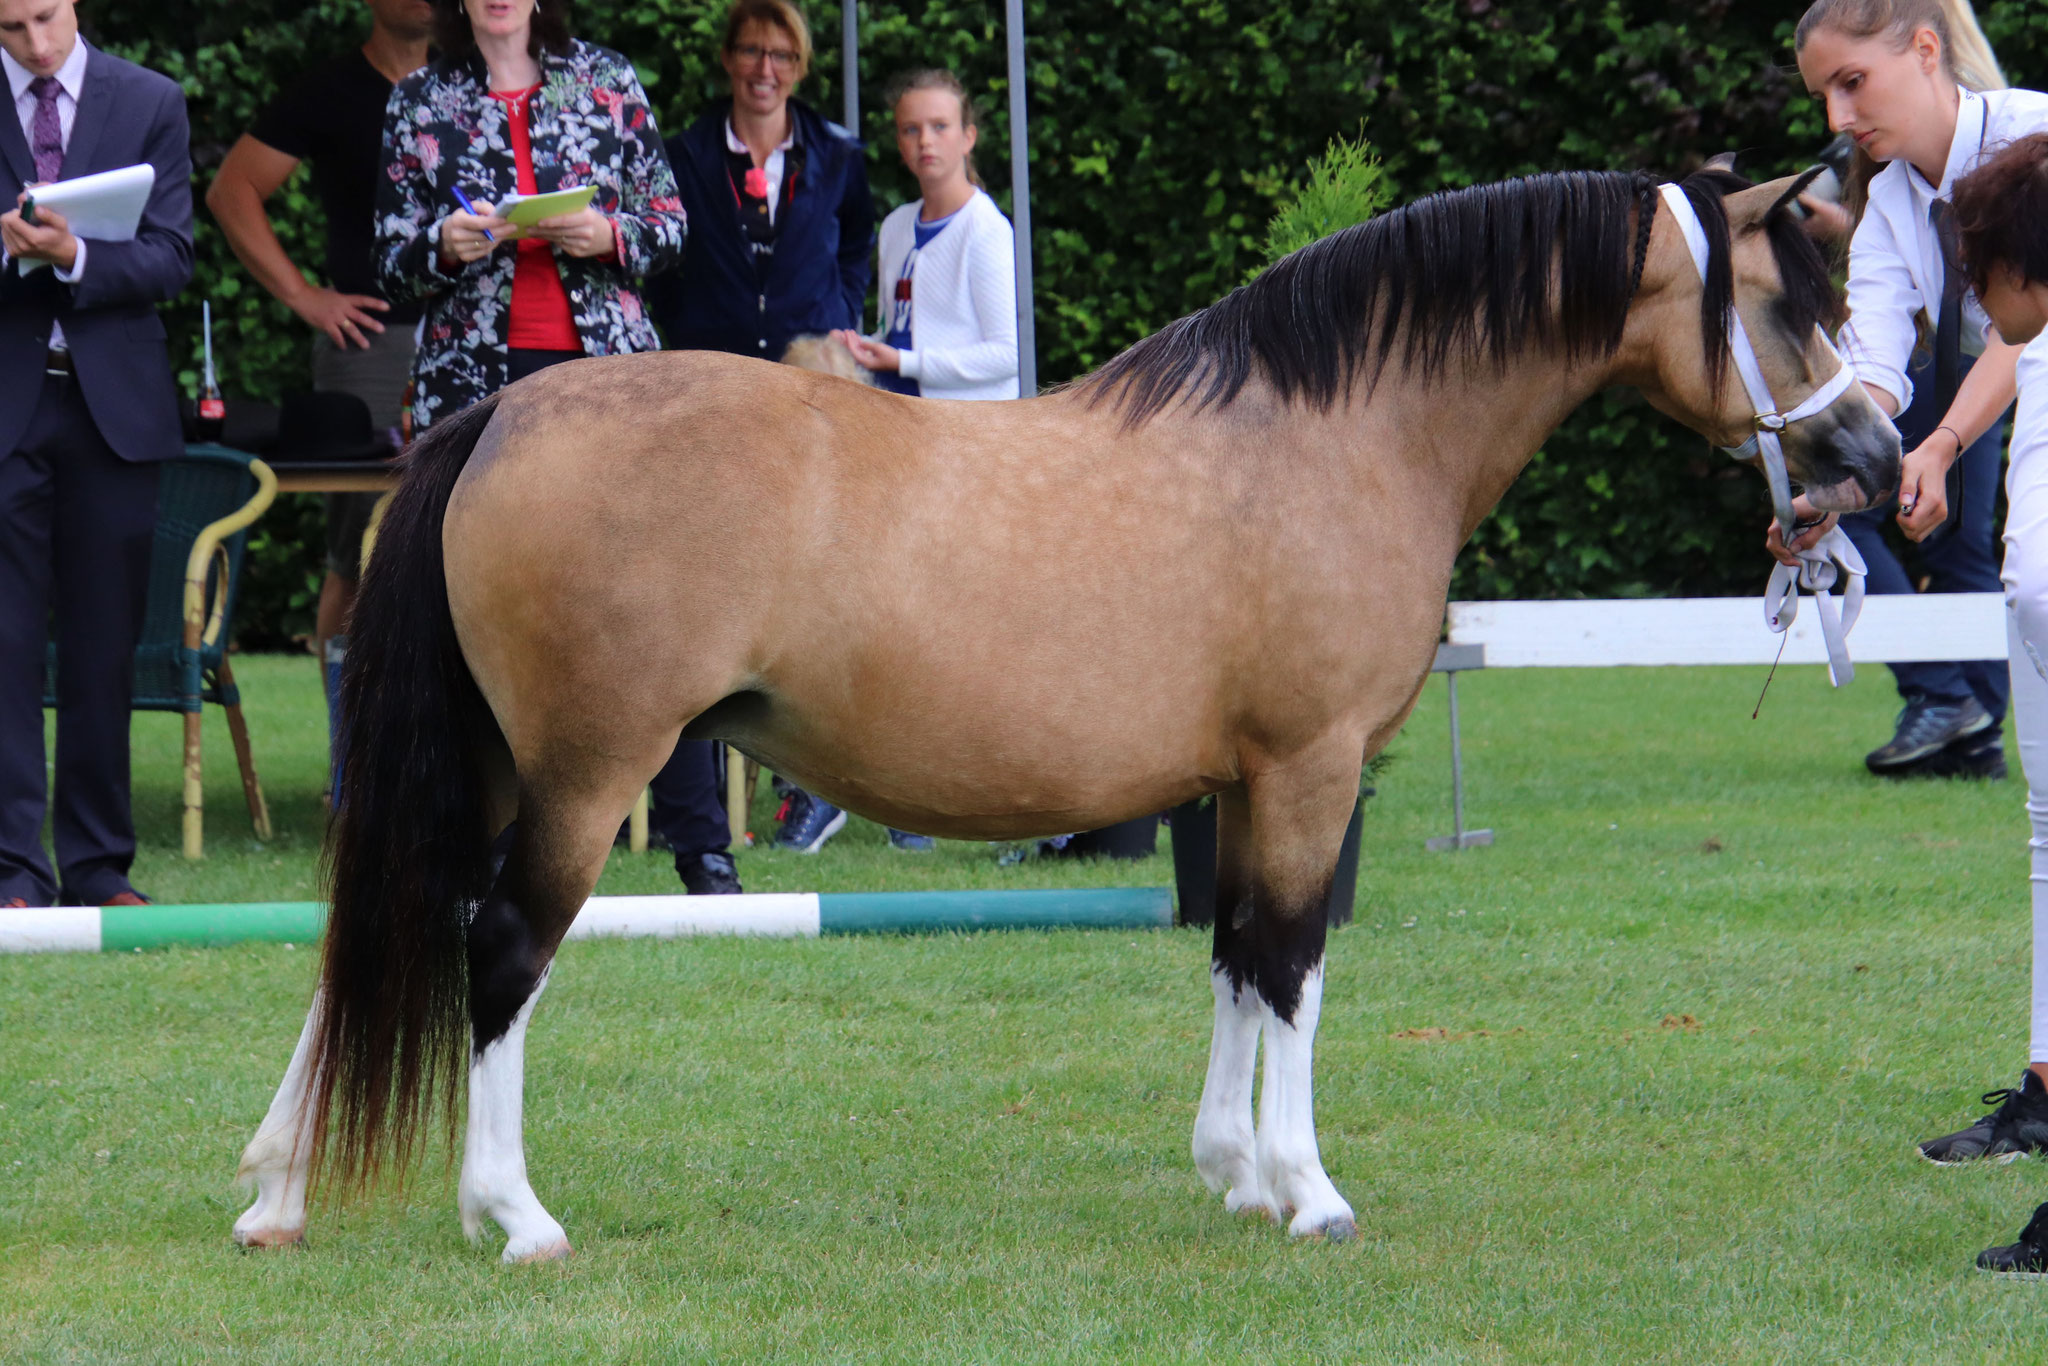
(1828, 559)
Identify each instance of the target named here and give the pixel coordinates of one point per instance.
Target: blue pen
(470, 208)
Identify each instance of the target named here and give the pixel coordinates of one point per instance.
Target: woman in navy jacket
(781, 223)
(781, 229)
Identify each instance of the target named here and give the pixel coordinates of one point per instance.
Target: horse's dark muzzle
(1854, 468)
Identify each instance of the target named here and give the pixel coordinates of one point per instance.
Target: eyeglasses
(750, 53)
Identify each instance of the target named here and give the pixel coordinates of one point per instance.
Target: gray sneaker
(1927, 728)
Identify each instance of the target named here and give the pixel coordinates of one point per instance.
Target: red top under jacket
(541, 319)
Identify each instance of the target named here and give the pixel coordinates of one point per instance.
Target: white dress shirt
(71, 82)
(772, 168)
(1895, 266)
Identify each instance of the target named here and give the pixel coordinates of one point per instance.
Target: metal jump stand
(1452, 660)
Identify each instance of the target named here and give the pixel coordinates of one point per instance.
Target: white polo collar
(733, 143)
(1963, 149)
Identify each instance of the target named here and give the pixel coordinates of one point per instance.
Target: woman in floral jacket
(515, 104)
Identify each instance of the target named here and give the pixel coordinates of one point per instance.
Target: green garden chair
(205, 503)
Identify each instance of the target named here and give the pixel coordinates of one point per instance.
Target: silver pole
(1457, 770)
(1020, 203)
(849, 42)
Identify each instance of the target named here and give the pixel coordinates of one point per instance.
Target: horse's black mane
(1549, 260)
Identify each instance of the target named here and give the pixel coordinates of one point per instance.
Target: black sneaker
(1974, 756)
(1927, 728)
(2017, 1127)
(709, 875)
(2028, 1257)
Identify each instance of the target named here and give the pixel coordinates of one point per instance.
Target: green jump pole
(123, 928)
(1093, 908)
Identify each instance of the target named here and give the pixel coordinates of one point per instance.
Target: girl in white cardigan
(948, 278)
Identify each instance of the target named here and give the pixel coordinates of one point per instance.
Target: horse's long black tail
(409, 853)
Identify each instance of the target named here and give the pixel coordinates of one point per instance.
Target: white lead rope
(1831, 558)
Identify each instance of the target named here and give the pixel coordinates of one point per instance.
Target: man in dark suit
(87, 407)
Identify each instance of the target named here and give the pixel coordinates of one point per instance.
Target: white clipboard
(104, 207)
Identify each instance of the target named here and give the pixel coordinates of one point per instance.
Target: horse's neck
(1447, 449)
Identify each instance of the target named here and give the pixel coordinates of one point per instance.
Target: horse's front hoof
(556, 1251)
(1336, 1228)
(270, 1237)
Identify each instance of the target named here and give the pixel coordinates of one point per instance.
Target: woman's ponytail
(1970, 57)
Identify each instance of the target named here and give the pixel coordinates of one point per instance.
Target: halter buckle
(1770, 422)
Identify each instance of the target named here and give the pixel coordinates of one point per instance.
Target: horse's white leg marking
(494, 1180)
(1223, 1125)
(276, 1160)
(1290, 1164)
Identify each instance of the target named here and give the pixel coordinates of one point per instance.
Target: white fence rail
(1622, 632)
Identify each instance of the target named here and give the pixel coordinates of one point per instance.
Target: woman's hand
(872, 354)
(1802, 512)
(1826, 220)
(585, 232)
(463, 234)
(1923, 484)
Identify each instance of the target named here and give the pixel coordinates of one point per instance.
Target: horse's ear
(1725, 161)
(1797, 188)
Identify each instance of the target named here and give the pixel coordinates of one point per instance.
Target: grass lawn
(1639, 1083)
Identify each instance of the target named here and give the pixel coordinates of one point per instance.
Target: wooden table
(335, 476)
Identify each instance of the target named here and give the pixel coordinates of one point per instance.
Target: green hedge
(1163, 134)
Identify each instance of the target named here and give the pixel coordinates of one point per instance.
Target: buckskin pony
(1216, 565)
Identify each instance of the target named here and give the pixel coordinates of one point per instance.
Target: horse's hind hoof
(271, 1237)
(557, 1251)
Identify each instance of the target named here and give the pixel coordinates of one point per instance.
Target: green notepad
(526, 210)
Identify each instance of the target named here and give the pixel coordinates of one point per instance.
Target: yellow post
(195, 799)
(636, 825)
(736, 796)
(370, 529)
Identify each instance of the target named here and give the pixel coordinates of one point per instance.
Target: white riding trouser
(2026, 598)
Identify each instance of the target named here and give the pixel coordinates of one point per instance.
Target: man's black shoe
(1927, 728)
(709, 875)
(2017, 1127)
(2028, 1257)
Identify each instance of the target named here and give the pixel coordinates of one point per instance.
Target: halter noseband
(1832, 556)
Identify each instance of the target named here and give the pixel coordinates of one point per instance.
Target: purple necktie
(46, 133)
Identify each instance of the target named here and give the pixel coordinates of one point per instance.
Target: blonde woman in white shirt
(1896, 75)
(948, 278)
